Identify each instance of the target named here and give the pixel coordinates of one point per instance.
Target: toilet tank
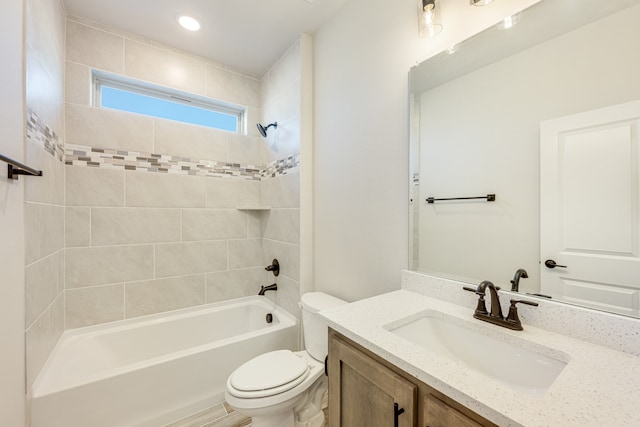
(316, 332)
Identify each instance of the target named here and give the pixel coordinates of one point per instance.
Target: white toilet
(284, 388)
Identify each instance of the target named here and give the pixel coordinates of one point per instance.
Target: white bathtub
(153, 370)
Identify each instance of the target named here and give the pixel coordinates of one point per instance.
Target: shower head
(263, 129)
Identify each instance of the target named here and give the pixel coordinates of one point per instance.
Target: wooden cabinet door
(439, 414)
(362, 392)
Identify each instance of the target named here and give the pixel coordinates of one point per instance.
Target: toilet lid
(269, 371)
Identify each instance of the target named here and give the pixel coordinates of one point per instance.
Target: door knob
(552, 264)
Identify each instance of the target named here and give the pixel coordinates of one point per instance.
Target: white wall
(12, 370)
(362, 57)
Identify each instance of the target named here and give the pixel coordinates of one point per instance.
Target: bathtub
(152, 370)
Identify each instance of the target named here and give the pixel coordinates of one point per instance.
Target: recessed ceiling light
(189, 23)
(480, 2)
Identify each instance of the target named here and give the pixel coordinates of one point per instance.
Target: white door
(589, 216)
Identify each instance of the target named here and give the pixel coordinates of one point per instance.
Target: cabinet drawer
(439, 414)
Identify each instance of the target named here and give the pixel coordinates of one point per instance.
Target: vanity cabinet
(365, 390)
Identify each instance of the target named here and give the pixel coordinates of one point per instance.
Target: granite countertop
(599, 386)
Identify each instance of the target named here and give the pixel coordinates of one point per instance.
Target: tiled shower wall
(44, 209)
(281, 103)
(151, 205)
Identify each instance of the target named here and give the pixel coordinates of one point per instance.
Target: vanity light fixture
(188, 22)
(480, 2)
(429, 20)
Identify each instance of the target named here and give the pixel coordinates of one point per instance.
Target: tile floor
(218, 416)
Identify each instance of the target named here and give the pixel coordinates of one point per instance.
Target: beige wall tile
(285, 143)
(42, 336)
(77, 89)
(255, 224)
(245, 253)
(232, 193)
(105, 128)
(39, 344)
(180, 259)
(287, 70)
(283, 106)
(44, 88)
(41, 286)
(108, 264)
(288, 295)
(57, 317)
(44, 31)
(61, 260)
(160, 66)
(253, 115)
(155, 296)
(49, 188)
(213, 224)
(146, 189)
(231, 87)
(186, 140)
(283, 225)
(121, 226)
(287, 254)
(90, 306)
(282, 191)
(244, 149)
(229, 284)
(94, 186)
(93, 47)
(77, 226)
(44, 230)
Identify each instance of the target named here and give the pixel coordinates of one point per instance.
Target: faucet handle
(481, 308)
(512, 317)
(517, 301)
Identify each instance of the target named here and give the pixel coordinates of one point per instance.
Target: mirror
(476, 116)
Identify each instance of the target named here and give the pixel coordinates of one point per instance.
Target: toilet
(283, 388)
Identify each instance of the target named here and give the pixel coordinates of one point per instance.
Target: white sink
(521, 369)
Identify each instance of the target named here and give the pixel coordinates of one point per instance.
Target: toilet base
(279, 420)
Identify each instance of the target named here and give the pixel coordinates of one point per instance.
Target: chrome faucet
(520, 274)
(512, 321)
(264, 289)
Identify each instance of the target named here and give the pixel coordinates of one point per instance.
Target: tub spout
(264, 289)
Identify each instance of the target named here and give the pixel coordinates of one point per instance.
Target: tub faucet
(264, 289)
(274, 267)
(515, 283)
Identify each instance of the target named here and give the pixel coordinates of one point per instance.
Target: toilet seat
(268, 374)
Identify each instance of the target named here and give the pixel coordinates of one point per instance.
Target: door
(589, 219)
(363, 392)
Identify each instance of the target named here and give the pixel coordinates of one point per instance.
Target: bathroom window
(142, 98)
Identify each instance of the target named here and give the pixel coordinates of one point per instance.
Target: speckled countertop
(598, 387)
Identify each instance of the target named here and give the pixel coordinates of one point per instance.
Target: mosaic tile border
(38, 132)
(81, 155)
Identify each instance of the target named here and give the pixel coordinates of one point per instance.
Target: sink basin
(519, 368)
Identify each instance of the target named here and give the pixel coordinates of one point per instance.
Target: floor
(218, 416)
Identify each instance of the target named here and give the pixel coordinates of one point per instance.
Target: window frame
(100, 79)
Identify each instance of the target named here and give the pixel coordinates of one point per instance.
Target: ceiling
(246, 35)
